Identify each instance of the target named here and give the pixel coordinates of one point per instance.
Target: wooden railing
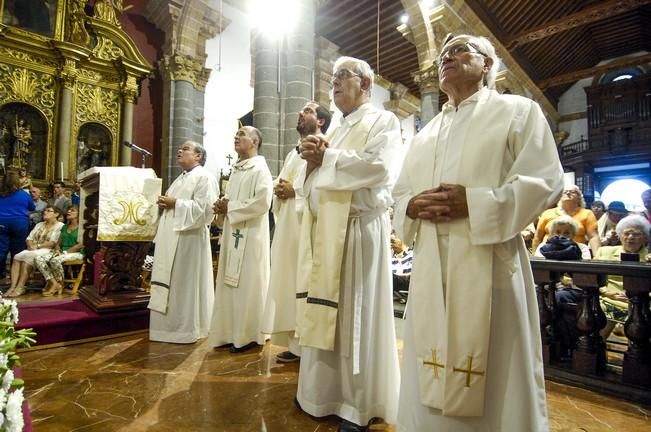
(589, 356)
(574, 148)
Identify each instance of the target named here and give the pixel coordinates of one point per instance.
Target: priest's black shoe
(246, 347)
(346, 426)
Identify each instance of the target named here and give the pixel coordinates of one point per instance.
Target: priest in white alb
(280, 310)
(182, 287)
(349, 362)
(473, 178)
(243, 272)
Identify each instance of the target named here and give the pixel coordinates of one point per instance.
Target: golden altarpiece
(69, 77)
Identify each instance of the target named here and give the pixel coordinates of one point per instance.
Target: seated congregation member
(68, 248)
(607, 223)
(36, 215)
(472, 179)
(646, 213)
(571, 204)
(40, 241)
(243, 272)
(15, 205)
(598, 209)
(59, 198)
(560, 244)
(634, 233)
(401, 259)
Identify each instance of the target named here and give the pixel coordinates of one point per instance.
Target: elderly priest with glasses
(472, 179)
(349, 364)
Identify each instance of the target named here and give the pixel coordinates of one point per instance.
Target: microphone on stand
(136, 148)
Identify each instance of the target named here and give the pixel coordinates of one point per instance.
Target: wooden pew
(589, 357)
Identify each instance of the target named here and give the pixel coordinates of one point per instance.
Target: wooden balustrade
(589, 356)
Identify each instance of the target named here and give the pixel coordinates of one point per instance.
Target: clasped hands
(443, 203)
(284, 189)
(312, 148)
(166, 202)
(221, 206)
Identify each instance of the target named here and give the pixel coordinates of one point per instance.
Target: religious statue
(24, 181)
(23, 138)
(76, 29)
(106, 10)
(91, 154)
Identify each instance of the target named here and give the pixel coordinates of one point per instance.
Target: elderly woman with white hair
(571, 204)
(472, 179)
(634, 233)
(559, 229)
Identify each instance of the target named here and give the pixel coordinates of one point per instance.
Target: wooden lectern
(118, 221)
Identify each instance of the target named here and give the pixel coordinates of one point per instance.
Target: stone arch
(422, 33)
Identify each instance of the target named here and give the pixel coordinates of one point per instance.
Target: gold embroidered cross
(469, 372)
(434, 364)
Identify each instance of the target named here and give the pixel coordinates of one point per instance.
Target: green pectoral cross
(435, 365)
(468, 371)
(237, 236)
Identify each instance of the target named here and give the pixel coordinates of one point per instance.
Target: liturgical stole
(321, 251)
(452, 337)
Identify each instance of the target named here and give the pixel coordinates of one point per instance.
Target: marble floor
(130, 384)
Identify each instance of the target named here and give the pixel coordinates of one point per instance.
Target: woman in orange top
(571, 204)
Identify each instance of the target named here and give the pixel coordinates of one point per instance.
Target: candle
(61, 172)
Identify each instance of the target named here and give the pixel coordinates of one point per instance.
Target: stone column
(180, 75)
(266, 98)
(428, 83)
(402, 104)
(283, 84)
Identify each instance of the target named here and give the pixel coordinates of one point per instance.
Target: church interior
(96, 88)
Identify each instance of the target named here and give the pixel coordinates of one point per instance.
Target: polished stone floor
(130, 384)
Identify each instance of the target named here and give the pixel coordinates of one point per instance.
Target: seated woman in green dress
(68, 248)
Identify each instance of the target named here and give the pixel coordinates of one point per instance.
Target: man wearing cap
(608, 221)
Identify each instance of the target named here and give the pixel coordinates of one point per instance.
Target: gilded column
(129, 93)
(64, 157)
(428, 83)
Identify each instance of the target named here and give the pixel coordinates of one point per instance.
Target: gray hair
(633, 221)
(200, 150)
(486, 47)
(357, 66)
(563, 220)
(574, 188)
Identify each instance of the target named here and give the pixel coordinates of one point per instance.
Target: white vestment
(501, 149)
(182, 279)
(359, 379)
(279, 318)
(240, 298)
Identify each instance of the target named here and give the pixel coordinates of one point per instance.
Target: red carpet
(71, 320)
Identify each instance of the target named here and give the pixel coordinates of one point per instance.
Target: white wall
(574, 101)
(229, 94)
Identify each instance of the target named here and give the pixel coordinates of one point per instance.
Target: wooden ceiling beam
(589, 15)
(572, 77)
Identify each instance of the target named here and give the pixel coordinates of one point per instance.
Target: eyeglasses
(343, 74)
(462, 48)
(631, 233)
